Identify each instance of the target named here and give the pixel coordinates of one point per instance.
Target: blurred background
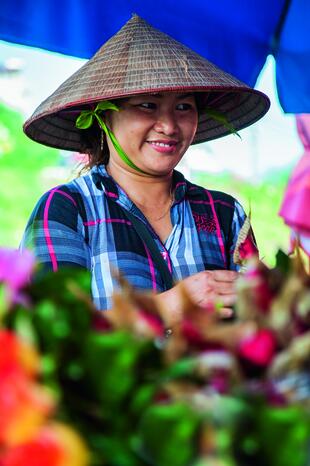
(254, 169)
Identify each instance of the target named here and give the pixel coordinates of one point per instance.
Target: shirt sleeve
(55, 232)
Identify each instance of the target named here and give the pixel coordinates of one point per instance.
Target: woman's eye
(148, 105)
(184, 106)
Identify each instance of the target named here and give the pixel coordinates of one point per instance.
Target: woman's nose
(166, 123)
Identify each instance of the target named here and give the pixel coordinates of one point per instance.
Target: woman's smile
(163, 146)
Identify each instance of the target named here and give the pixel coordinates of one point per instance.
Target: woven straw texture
(140, 59)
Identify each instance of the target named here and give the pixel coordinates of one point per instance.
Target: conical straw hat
(140, 59)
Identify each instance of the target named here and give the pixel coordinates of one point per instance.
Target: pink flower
(258, 281)
(15, 271)
(246, 245)
(192, 334)
(258, 348)
(151, 323)
(100, 323)
(248, 248)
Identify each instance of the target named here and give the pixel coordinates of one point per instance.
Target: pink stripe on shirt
(47, 235)
(151, 265)
(218, 228)
(46, 230)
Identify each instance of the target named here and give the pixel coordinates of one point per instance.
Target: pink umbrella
(295, 209)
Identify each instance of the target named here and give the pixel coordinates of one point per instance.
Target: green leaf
(283, 261)
(221, 118)
(4, 304)
(142, 398)
(167, 434)
(113, 451)
(288, 428)
(111, 365)
(106, 105)
(24, 327)
(182, 368)
(116, 145)
(85, 120)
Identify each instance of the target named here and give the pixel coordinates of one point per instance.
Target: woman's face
(154, 130)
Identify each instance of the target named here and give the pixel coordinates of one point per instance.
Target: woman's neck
(142, 189)
(152, 195)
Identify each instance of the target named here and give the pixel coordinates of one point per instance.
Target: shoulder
(58, 202)
(61, 205)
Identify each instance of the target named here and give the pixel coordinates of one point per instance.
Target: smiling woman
(135, 108)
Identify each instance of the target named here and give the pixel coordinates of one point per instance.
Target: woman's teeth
(161, 144)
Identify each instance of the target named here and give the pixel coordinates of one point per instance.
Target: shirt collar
(105, 182)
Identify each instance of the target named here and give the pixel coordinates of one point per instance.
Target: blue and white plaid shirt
(83, 224)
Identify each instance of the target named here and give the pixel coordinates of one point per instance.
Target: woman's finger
(225, 275)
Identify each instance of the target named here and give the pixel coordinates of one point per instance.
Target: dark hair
(96, 151)
(93, 136)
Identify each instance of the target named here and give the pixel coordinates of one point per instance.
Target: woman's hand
(207, 288)
(212, 287)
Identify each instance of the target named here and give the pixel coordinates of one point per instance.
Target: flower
(15, 271)
(245, 246)
(24, 407)
(258, 348)
(19, 356)
(54, 445)
(124, 385)
(255, 289)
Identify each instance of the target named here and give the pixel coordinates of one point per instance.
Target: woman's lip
(163, 147)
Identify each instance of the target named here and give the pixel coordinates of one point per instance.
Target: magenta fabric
(296, 202)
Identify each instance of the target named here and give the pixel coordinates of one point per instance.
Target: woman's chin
(160, 166)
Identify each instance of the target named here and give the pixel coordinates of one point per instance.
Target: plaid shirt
(83, 224)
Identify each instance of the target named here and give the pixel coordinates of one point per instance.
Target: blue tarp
(237, 35)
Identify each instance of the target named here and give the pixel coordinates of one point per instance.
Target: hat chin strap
(86, 119)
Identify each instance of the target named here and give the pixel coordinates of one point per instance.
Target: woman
(135, 108)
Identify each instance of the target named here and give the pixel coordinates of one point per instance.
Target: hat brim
(241, 107)
(140, 59)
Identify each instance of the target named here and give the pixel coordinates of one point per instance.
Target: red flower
(248, 248)
(24, 407)
(256, 279)
(100, 323)
(258, 348)
(245, 246)
(55, 445)
(43, 450)
(18, 356)
(192, 334)
(151, 322)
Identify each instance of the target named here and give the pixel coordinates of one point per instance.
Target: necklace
(165, 212)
